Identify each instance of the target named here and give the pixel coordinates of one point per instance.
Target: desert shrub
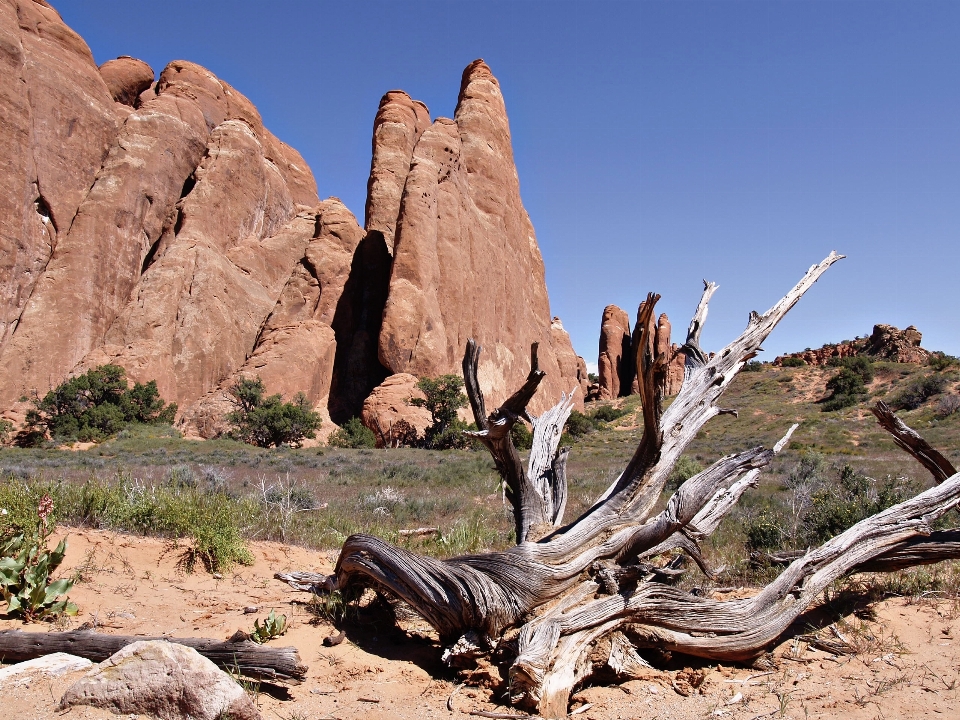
(579, 424)
(851, 498)
(940, 361)
(5, 428)
(917, 392)
(268, 421)
(793, 362)
(522, 437)
(443, 398)
(608, 413)
(753, 366)
(353, 434)
(93, 406)
(684, 469)
(948, 405)
(848, 387)
(765, 533)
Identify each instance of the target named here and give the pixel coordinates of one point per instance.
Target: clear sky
(658, 143)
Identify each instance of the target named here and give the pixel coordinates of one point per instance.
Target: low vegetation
(273, 626)
(443, 399)
(27, 566)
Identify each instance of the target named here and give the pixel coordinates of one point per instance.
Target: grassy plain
(147, 480)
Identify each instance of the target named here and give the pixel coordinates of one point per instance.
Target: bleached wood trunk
(565, 588)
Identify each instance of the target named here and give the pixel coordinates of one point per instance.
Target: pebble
(250, 609)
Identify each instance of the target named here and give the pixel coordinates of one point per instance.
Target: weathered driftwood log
(565, 591)
(245, 657)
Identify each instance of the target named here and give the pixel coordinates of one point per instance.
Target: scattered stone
(163, 679)
(250, 609)
(54, 665)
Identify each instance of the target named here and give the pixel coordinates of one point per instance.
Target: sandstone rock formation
(126, 78)
(616, 361)
(398, 126)
(160, 226)
(885, 343)
(618, 352)
(57, 123)
(163, 680)
(466, 263)
(387, 407)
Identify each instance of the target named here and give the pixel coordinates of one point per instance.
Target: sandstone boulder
(126, 78)
(466, 263)
(387, 407)
(890, 343)
(164, 680)
(615, 361)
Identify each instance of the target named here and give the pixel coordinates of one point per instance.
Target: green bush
(765, 533)
(917, 392)
(940, 361)
(269, 421)
(353, 434)
(608, 413)
(579, 424)
(93, 406)
(521, 435)
(5, 428)
(793, 362)
(848, 387)
(684, 469)
(852, 498)
(753, 366)
(443, 398)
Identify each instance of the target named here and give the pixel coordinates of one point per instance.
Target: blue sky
(658, 143)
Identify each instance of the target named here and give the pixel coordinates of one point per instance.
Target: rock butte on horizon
(157, 224)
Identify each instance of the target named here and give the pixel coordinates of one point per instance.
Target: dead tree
(565, 592)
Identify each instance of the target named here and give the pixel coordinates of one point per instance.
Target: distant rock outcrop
(885, 343)
(158, 225)
(618, 352)
(616, 361)
(466, 262)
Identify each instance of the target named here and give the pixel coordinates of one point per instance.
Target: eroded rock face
(615, 360)
(113, 288)
(466, 261)
(126, 78)
(397, 127)
(57, 122)
(164, 680)
(388, 406)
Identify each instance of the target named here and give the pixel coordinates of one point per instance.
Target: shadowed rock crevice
(356, 325)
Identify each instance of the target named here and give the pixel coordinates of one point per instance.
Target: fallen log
(246, 658)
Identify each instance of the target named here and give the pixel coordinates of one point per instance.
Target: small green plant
(266, 420)
(353, 434)
(753, 366)
(26, 565)
(273, 626)
(443, 398)
(94, 406)
(793, 362)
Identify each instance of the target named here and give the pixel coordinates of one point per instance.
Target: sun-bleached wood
(564, 590)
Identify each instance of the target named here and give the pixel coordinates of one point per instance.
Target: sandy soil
(907, 667)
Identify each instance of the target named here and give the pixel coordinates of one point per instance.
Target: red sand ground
(131, 585)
